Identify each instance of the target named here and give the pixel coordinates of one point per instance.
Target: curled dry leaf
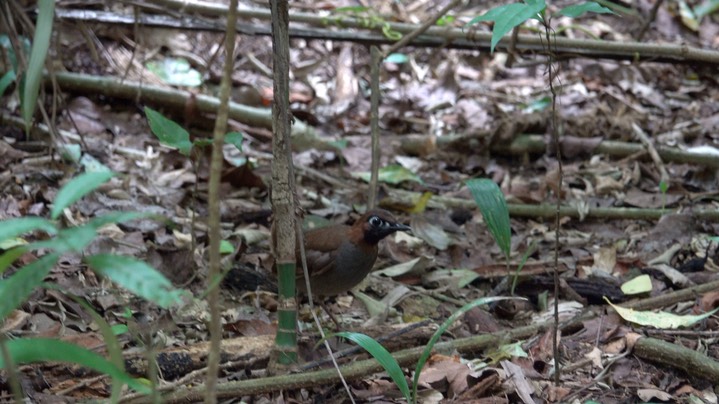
(430, 233)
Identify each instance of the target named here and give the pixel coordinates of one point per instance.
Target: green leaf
(137, 277)
(12, 228)
(493, 206)
(40, 45)
(16, 289)
(445, 20)
(30, 350)
(389, 364)
(577, 10)
(442, 328)
(508, 16)
(396, 58)
(119, 329)
(235, 139)
(168, 131)
(226, 247)
(78, 187)
(706, 7)
(175, 72)
(392, 174)
(73, 239)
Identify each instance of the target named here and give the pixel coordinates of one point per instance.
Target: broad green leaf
(493, 205)
(72, 239)
(78, 187)
(660, 320)
(442, 328)
(577, 10)
(391, 174)
(40, 45)
(175, 72)
(382, 356)
(31, 350)
(168, 131)
(137, 277)
(12, 228)
(640, 284)
(706, 7)
(508, 16)
(16, 289)
(235, 139)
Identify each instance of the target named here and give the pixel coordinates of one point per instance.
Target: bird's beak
(401, 227)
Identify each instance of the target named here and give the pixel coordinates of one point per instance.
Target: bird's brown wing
(321, 249)
(321, 262)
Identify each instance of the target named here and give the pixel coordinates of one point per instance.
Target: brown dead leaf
(445, 374)
(655, 200)
(518, 381)
(708, 302)
(243, 177)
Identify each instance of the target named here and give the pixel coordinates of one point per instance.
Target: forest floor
(446, 115)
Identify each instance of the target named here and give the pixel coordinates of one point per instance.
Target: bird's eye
(375, 221)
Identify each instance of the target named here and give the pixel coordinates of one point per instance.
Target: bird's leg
(329, 313)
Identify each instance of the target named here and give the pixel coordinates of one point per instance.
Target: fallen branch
(303, 136)
(407, 199)
(435, 36)
(677, 356)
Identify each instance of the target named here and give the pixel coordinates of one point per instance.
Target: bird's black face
(378, 227)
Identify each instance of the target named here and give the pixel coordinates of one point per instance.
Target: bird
(340, 256)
